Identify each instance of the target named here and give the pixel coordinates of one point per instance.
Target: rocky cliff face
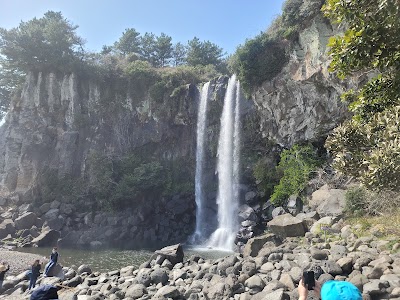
(59, 120)
(302, 103)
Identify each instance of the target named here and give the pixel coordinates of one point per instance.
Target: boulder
(159, 275)
(52, 214)
(168, 292)
(250, 197)
(24, 208)
(173, 253)
(73, 282)
(286, 226)
(47, 239)
(84, 269)
(44, 208)
(328, 202)
(246, 213)
(7, 227)
(57, 271)
(254, 245)
(3, 201)
(136, 291)
(26, 221)
(278, 211)
(55, 224)
(324, 222)
(277, 295)
(295, 204)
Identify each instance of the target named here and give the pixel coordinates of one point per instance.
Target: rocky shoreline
(269, 268)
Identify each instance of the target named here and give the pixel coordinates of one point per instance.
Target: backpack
(45, 292)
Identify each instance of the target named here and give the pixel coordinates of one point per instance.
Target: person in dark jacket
(35, 273)
(4, 267)
(53, 261)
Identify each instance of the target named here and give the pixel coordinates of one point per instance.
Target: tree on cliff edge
(48, 43)
(368, 145)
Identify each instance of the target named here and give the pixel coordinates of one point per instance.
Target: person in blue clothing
(35, 272)
(53, 261)
(331, 290)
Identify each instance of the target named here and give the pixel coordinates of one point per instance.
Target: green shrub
(297, 165)
(119, 182)
(263, 57)
(140, 70)
(356, 200)
(258, 60)
(51, 186)
(267, 176)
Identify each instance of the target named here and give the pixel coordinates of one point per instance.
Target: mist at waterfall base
(227, 170)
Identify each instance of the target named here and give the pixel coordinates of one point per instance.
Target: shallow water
(113, 259)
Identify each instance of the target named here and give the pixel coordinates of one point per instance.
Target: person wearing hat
(331, 290)
(4, 267)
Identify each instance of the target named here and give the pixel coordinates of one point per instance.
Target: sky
(227, 23)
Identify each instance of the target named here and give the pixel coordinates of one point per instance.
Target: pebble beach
(18, 261)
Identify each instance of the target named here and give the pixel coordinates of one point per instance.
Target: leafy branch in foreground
(368, 146)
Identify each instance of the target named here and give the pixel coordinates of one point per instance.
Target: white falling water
(236, 148)
(228, 170)
(198, 235)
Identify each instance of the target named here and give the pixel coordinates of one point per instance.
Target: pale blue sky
(226, 23)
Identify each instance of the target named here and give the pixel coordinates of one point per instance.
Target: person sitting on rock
(53, 261)
(35, 272)
(331, 290)
(4, 267)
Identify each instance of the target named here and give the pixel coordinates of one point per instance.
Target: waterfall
(198, 235)
(228, 170)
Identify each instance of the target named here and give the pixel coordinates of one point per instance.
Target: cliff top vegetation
(262, 57)
(51, 44)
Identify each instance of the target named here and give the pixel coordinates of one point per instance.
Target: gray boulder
(159, 275)
(328, 202)
(44, 208)
(254, 245)
(255, 283)
(375, 287)
(168, 292)
(52, 214)
(246, 213)
(84, 269)
(143, 277)
(73, 282)
(286, 226)
(56, 271)
(25, 208)
(7, 227)
(136, 291)
(173, 253)
(278, 211)
(277, 295)
(47, 239)
(26, 221)
(250, 197)
(3, 201)
(55, 224)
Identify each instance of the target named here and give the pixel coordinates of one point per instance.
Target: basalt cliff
(60, 121)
